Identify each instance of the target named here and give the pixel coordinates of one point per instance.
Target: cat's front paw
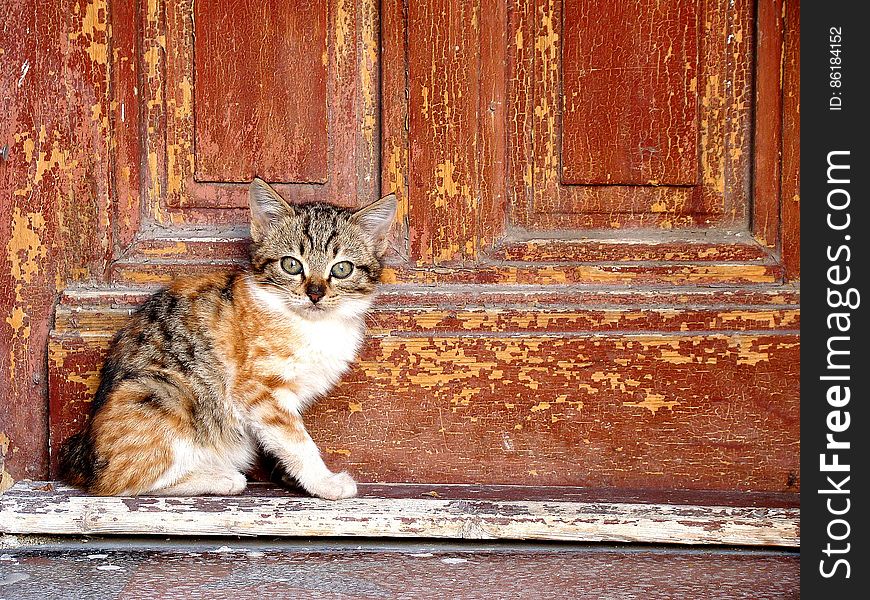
(335, 487)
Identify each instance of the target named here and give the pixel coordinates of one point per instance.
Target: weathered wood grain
(127, 163)
(629, 93)
(443, 121)
(631, 249)
(55, 195)
(489, 387)
(544, 201)
(259, 91)
(767, 159)
(492, 160)
(41, 508)
(711, 258)
(473, 94)
(395, 146)
(162, 270)
(389, 318)
(708, 259)
(524, 296)
(333, 155)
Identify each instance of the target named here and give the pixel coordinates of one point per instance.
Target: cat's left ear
(376, 218)
(266, 208)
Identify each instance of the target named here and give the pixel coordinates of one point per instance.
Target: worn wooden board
(600, 388)
(54, 192)
(641, 259)
(790, 192)
(528, 297)
(633, 249)
(162, 270)
(738, 248)
(69, 321)
(443, 112)
(259, 91)
(767, 160)
(629, 93)
(41, 508)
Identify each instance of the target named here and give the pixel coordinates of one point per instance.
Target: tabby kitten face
(316, 259)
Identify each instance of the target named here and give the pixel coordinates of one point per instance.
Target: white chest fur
(321, 349)
(325, 350)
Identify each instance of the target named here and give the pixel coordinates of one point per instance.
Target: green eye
(342, 269)
(291, 265)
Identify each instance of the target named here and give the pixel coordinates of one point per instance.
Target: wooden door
(224, 93)
(590, 278)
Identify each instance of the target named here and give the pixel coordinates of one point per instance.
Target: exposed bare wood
(42, 508)
(55, 193)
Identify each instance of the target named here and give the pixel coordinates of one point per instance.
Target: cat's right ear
(266, 208)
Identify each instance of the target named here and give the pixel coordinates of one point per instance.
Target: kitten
(214, 367)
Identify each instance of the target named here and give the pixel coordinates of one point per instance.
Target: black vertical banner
(835, 363)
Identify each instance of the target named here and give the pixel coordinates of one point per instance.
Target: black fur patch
(78, 460)
(227, 290)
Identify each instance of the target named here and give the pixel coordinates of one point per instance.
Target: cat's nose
(315, 292)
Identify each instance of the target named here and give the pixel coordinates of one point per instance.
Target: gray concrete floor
(236, 570)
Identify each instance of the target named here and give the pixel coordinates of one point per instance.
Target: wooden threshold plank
(51, 508)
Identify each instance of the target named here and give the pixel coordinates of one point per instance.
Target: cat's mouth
(312, 309)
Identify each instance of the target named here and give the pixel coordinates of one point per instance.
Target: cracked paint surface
(689, 82)
(430, 401)
(624, 396)
(53, 227)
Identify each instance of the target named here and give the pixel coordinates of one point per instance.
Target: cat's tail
(76, 464)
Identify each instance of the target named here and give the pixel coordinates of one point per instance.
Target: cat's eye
(342, 269)
(291, 265)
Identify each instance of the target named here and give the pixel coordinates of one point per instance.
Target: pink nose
(315, 292)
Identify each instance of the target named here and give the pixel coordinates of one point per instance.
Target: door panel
(629, 102)
(259, 91)
(286, 91)
(630, 115)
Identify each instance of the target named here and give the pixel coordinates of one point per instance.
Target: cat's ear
(266, 207)
(376, 218)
